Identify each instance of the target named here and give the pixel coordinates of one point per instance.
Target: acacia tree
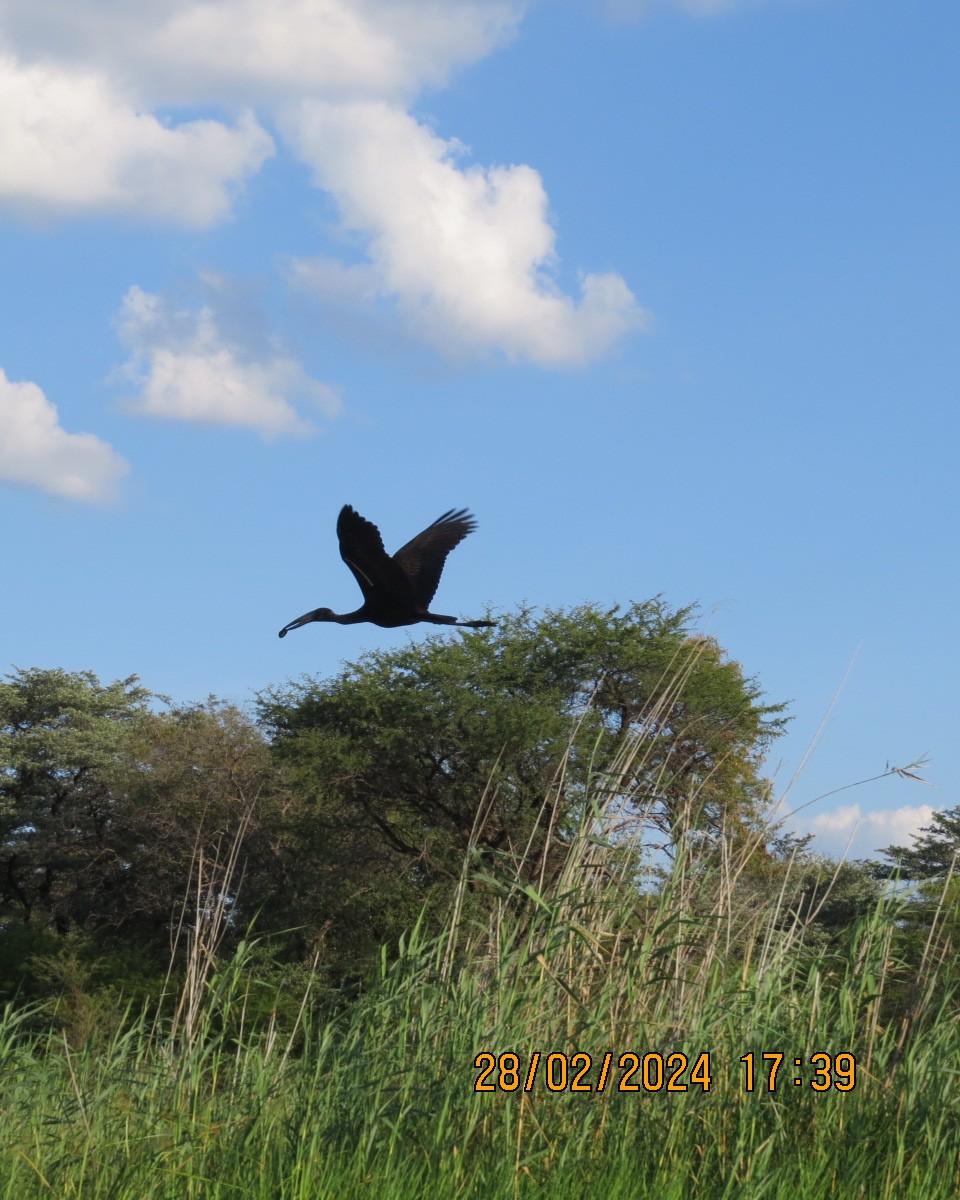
(410, 756)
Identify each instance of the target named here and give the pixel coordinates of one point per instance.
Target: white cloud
(70, 142)
(187, 370)
(335, 47)
(35, 451)
(467, 252)
(179, 51)
(869, 831)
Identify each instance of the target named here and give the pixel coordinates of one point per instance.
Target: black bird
(397, 590)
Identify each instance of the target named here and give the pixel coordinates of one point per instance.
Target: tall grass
(381, 1099)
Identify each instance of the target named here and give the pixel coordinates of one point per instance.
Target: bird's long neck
(350, 618)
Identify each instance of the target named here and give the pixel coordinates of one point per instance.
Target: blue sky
(665, 292)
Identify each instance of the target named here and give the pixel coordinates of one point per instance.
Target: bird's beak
(295, 624)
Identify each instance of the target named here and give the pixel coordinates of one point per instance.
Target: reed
(597, 961)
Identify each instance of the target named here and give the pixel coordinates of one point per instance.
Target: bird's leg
(440, 619)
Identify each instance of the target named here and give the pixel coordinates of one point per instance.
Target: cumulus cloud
(70, 142)
(335, 47)
(467, 252)
(179, 51)
(36, 451)
(865, 832)
(186, 369)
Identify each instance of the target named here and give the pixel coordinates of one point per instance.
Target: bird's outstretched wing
(422, 558)
(361, 548)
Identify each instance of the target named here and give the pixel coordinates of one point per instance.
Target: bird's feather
(361, 548)
(422, 558)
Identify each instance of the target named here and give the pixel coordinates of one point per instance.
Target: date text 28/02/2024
(654, 1072)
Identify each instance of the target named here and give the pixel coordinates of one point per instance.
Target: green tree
(493, 740)
(199, 789)
(110, 813)
(930, 926)
(935, 850)
(61, 746)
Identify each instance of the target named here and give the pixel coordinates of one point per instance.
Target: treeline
(341, 811)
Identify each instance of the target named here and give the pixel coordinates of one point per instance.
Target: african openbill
(397, 590)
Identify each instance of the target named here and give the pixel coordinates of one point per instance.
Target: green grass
(380, 1100)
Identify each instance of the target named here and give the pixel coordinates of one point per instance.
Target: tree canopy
(107, 805)
(451, 742)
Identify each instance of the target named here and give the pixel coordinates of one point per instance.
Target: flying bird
(396, 590)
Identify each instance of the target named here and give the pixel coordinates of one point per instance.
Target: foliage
(365, 796)
(480, 804)
(381, 1098)
(935, 851)
(395, 753)
(105, 807)
(61, 741)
